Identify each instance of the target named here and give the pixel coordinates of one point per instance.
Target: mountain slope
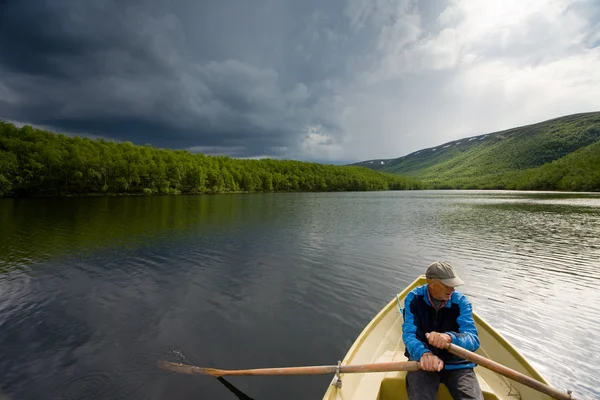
(488, 160)
(578, 171)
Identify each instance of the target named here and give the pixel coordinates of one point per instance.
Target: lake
(95, 290)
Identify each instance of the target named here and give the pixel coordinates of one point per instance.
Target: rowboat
(375, 366)
(381, 341)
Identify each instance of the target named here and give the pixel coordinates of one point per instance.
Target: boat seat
(392, 385)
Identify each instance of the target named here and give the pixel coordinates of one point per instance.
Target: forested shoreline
(35, 162)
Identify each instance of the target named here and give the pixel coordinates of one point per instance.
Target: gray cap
(443, 271)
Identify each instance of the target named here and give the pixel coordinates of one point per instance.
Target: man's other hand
(439, 340)
(431, 362)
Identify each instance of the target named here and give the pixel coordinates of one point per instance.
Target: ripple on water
(295, 276)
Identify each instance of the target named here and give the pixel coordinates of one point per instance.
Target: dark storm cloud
(175, 74)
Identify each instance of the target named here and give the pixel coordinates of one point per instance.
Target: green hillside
(522, 157)
(34, 162)
(578, 171)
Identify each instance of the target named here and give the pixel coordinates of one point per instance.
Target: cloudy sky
(328, 81)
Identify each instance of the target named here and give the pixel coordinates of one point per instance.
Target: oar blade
(190, 369)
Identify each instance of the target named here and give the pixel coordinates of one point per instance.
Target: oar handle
(508, 372)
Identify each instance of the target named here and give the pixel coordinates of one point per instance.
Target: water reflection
(35, 230)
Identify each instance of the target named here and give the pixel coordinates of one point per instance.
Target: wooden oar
(509, 373)
(309, 370)
(377, 367)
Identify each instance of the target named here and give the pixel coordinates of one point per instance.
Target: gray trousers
(461, 383)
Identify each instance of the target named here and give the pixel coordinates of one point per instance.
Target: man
(434, 316)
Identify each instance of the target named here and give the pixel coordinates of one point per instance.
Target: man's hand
(439, 340)
(431, 362)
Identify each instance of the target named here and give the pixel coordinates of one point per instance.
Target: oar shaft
(381, 367)
(309, 370)
(508, 372)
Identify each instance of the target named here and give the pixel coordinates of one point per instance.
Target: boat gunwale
(375, 320)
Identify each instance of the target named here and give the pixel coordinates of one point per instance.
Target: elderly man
(435, 315)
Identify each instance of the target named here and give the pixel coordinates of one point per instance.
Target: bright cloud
(487, 66)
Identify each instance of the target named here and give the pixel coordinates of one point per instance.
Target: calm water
(93, 291)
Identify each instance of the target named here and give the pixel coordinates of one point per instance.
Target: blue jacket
(455, 319)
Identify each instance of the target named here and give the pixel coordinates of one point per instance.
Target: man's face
(439, 290)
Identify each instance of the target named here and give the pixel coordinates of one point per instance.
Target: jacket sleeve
(415, 347)
(466, 336)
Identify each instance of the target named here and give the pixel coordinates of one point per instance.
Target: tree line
(35, 162)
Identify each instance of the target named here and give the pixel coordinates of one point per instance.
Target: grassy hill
(561, 153)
